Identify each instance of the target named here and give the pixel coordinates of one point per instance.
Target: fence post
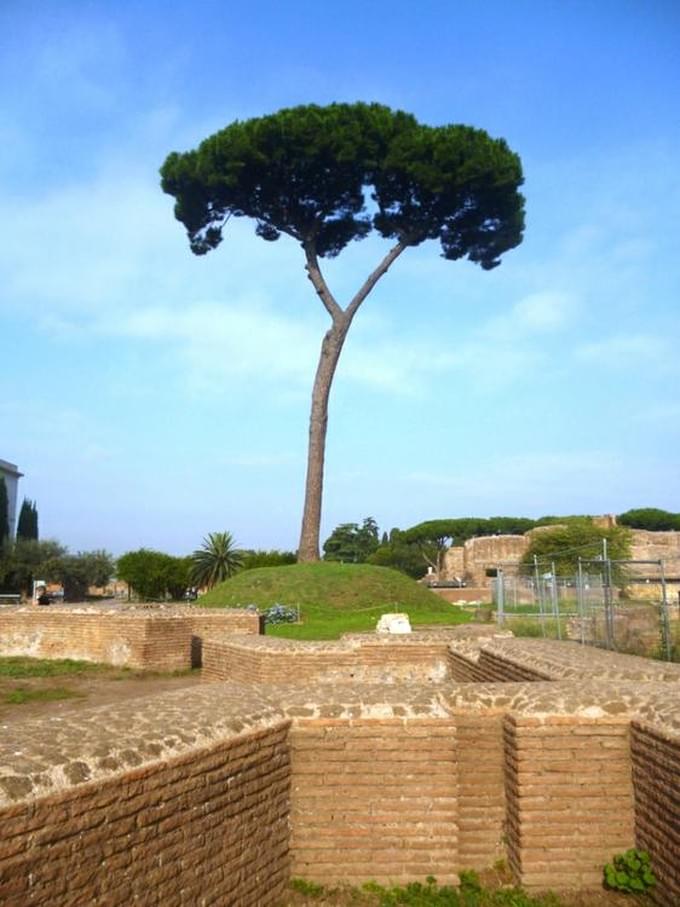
(581, 604)
(500, 596)
(539, 593)
(555, 598)
(665, 625)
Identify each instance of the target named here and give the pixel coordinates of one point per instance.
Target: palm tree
(216, 560)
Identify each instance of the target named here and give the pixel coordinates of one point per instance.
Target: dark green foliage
(401, 555)
(260, 558)
(77, 572)
(650, 518)
(4, 511)
(578, 537)
(153, 574)
(461, 529)
(27, 527)
(217, 559)
(411, 550)
(351, 543)
(303, 171)
(630, 871)
(27, 560)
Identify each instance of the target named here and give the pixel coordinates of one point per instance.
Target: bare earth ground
(105, 687)
(111, 685)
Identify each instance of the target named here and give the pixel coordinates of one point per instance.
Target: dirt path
(84, 690)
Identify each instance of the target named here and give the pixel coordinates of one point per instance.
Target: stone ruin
(386, 757)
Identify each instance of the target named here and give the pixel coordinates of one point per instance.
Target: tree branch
(319, 283)
(373, 278)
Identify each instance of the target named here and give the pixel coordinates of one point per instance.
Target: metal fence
(627, 606)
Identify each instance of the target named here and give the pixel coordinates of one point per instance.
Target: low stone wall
(374, 799)
(136, 640)
(160, 639)
(363, 658)
(656, 779)
(195, 808)
(569, 798)
(481, 788)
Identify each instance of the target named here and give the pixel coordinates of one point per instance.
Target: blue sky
(151, 396)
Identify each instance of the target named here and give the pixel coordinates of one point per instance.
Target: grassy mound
(333, 598)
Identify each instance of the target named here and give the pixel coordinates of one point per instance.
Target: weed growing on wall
(630, 872)
(470, 893)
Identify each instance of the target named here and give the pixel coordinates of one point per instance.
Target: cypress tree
(24, 526)
(4, 511)
(27, 528)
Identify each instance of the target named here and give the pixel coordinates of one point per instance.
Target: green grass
(22, 666)
(333, 598)
(536, 627)
(21, 695)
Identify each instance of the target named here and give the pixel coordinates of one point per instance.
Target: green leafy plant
(630, 872)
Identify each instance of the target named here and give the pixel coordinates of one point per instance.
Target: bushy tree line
(155, 575)
(26, 560)
(412, 550)
(650, 518)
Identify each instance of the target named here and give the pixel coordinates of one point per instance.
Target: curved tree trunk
(331, 347)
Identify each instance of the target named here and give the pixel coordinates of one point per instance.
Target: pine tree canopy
(305, 171)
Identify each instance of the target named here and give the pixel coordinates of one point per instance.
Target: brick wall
(211, 825)
(160, 640)
(569, 798)
(137, 640)
(374, 799)
(481, 788)
(365, 661)
(210, 623)
(656, 778)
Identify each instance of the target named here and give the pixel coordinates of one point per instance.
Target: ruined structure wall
(209, 824)
(184, 795)
(481, 788)
(134, 640)
(569, 798)
(269, 660)
(374, 799)
(656, 779)
(471, 560)
(656, 546)
(151, 640)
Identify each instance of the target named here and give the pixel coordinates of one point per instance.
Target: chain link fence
(626, 606)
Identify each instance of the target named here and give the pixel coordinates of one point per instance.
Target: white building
(11, 475)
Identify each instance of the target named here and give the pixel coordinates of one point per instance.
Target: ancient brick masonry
(160, 639)
(387, 759)
(204, 820)
(656, 778)
(374, 799)
(569, 798)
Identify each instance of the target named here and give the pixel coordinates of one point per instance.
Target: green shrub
(630, 872)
